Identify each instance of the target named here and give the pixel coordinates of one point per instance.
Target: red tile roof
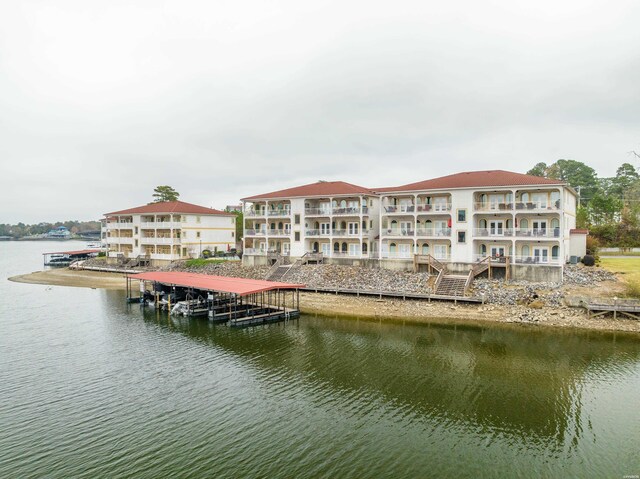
(475, 179)
(321, 188)
(225, 284)
(171, 207)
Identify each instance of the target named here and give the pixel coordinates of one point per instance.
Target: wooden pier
(236, 301)
(626, 307)
(395, 294)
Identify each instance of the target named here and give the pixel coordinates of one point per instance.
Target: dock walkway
(394, 294)
(601, 306)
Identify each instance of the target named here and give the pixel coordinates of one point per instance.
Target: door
(540, 255)
(353, 229)
(440, 204)
(496, 228)
(286, 247)
(497, 251)
(354, 249)
(441, 228)
(539, 228)
(440, 251)
(326, 249)
(405, 250)
(405, 228)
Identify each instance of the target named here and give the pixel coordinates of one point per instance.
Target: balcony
(493, 232)
(254, 213)
(408, 255)
(537, 260)
(348, 211)
(398, 232)
(435, 232)
(317, 212)
(119, 240)
(538, 233)
(159, 240)
(165, 225)
(279, 232)
(397, 209)
(119, 225)
(493, 207)
(349, 254)
(317, 233)
(254, 252)
(279, 213)
(537, 206)
(433, 208)
(346, 233)
(252, 232)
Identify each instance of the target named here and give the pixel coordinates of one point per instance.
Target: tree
(578, 175)
(626, 175)
(539, 170)
(165, 193)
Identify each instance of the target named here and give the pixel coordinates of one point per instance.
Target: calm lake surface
(92, 387)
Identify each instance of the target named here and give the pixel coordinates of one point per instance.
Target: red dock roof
(224, 284)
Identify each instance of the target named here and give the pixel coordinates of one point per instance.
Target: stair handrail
(273, 268)
(481, 265)
(438, 281)
(467, 283)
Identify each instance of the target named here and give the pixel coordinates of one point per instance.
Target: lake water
(92, 387)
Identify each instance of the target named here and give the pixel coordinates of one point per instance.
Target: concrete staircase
(452, 285)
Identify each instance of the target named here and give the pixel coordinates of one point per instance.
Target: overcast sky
(101, 101)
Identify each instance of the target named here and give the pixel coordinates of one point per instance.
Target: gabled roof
(475, 179)
(321, 188)
(171, 207)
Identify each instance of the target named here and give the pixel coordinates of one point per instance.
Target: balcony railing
(119, 225)
(431, 208)
(159, 240)
(283, 212)
(349, 210)
(538, 260)
(408, 255)
(538, 233)
(533, 206)
(253, 213)
(276, 232)
(119, 240)
(252, 232)
(167, 225)
(398, 232)
(433, 231)
(348, 254)
(493, 232)
(317, 211)
(317, 233)
(254, 252)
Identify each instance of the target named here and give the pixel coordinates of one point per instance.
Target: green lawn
(630, 273)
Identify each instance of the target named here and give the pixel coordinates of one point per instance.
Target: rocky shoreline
(520, 302)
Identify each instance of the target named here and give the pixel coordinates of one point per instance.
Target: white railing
(158, 240)
(165, 256)
(317, 233)
(493, 206)
(493, 232)
(433, 208)
(537, 205)
(119, 240)
(538, 233)
(252, 232)
(391, 209)
(398, 232)
(254, 252)
(278, 232)
(317, 211)
(254, 213)
(433, 231)
(119, 225)
(543, 260)
(348, 254)
(283, 212)
(347, 210)
(166, 225)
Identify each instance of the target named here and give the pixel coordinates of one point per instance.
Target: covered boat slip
(237, 301)
(65, 258)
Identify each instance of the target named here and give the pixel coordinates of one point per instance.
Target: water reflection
(523, 382)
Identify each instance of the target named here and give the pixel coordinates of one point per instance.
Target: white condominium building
(458, 219)
(163, 232)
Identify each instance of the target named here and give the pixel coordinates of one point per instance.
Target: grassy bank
(628, 270)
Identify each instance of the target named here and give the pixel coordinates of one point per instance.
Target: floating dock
(65, 258)
(235, 301)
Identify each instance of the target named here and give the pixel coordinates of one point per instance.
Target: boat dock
(395, 295)
(236, 301)
(626, 307)
(65, 258)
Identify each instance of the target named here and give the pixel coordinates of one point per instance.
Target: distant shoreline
(368, 308)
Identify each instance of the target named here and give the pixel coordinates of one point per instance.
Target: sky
(102, 101)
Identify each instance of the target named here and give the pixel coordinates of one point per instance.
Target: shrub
(632, 289)
(206, 253)
(589, 260)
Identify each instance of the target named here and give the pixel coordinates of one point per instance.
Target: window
(462, 216)
(296, 220)
(197, 219)
(184, 234)
(462, 236)
(136, 230)
(136, 243)
(197, 234)
(232, 234)
(233, 221)
(296, 236)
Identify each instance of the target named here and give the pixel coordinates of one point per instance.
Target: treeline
(608, 207)
(20, 230)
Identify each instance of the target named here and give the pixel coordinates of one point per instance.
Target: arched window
(343, 225)
(336, 247)
(280, 225)
(524, 224)
(365, 248)
(316, 247)
(555, 223)
(525, 196)
(425, 248)
(483, 250)
(344, 247)
(392, 248)
(525, 251)
(343, 204)
(482, 224)
(555, 252)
